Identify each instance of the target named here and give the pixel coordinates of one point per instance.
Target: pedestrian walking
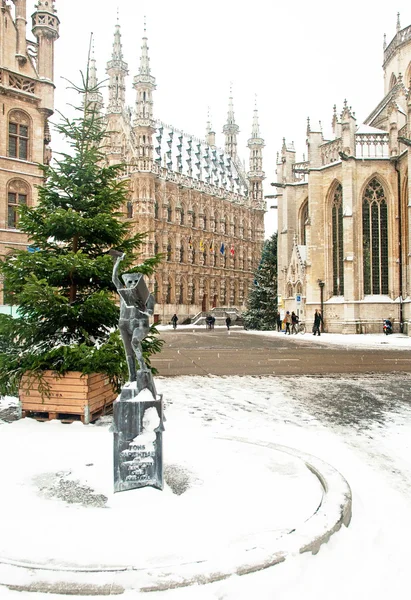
(209, 321)
(212, 322)
(279, 322)
(174, 320)
(287, 322)
(228, 322)
(318, 320)
(294, 322)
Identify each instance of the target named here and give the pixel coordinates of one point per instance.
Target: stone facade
(200, 208)
(344, 213)
(27, 101)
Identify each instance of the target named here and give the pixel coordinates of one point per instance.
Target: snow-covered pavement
(361, 425)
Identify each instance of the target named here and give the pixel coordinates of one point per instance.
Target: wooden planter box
(71, 397)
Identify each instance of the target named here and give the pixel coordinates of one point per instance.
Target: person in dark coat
(228, 322)
(318, 320)
(174, 320)
(294, 322)
(279, 322)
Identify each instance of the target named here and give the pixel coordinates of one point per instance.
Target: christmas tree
(68, 310)
(262, 300)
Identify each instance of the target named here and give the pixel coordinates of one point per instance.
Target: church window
(375, 239)
(182, 254)
(17, 195)
(129, 210)
(304, 223)
(169, 213)
(182, 216)
(156, 210)
(144, 96)
(169, 252)
(205, 222)
(193, 256)
(337, 242)
(19, 129)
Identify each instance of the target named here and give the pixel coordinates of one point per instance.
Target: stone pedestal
(138, 427)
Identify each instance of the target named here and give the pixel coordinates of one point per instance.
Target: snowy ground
(361, 425)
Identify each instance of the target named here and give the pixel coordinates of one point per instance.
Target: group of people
(291, 321)
(210, 321)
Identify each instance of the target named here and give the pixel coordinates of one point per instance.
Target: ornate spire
(255, 129)
(144, 72)
(398, 22)
(256, 174)
(117, 70)
(95, 97)
(385, 42)
(231, 129)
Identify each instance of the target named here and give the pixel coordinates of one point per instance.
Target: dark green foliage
(68, 312)
(262, 300)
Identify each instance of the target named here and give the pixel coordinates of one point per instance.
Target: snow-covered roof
(186, 154)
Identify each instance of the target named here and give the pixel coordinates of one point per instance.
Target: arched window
(303, 223)
(156, 210)
(193, 295)
(17, 195)
(182, 216)
(205, 222)
(169, 252)
(375, 239)
(181, 254)
(181, 294)
(19, 135)
(393, 81)
(289, 291)
(337, 241)
(169, 213)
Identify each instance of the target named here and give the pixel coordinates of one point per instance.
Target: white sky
(299, 57)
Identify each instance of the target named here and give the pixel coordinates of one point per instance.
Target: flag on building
(190, 243)
(201, 246)
(222, 249)
(232, 251)
(212, 247)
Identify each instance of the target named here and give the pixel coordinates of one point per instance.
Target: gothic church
(344, 236)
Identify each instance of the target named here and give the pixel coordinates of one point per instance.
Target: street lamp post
(321, 285)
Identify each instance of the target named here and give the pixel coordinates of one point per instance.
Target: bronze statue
(136, 306)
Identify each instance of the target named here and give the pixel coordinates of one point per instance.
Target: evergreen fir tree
(262, 300)
(68, 311)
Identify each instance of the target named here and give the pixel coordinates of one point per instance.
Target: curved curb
(333, 512)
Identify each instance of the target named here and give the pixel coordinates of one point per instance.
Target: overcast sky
(299, 57)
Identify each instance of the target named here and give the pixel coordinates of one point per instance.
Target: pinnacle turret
(46, 29)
